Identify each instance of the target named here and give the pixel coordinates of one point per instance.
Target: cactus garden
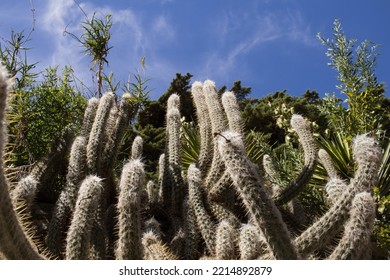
(218, 176)
(221, 207)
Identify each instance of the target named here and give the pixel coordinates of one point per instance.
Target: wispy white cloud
(58, 17)
(257, 30)
(162, 28)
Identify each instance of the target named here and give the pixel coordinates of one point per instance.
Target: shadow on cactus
(220, 208)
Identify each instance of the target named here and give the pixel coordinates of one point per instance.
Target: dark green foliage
(280, 106)
(240, 92)
(37, 114)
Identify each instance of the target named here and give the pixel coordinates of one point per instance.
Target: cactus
(136, 148)
(204, 124)
(25, 192)
(203, 219)
(256, 199)
(79, 234)
(367, 155)
(218, 125)
(67, 199)
(129, 220)
(174, 154)
(94, 147)
(251, 244)
(356, 240)
(226, 239)
(89, 116)
(219, 209)
(232, 110)
(155, 249)
(14, 243)
(310, 151)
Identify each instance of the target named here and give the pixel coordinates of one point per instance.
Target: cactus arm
(232, 111)
(357, 231)
(204, 123)
(367, 155)
(155, 249)
(129, 243)
(218, 124)
(136, 147)
(119, 126)
(95, 141)
(67, 199)
(260, 206)
(205, 224)
(310, 151)
(226, 239)
(174, 154)
(250, 244)
(14, 243)
(79, 234)
(89, 116)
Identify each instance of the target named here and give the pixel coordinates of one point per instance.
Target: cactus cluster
(220, 208)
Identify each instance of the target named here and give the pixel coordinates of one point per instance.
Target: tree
(240, 92)
(358, 82)
(95, 42)
(39, 110)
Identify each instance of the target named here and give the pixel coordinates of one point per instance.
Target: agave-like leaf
(384, 173)
(190, 144)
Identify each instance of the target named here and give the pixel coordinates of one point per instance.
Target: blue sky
(268, 45)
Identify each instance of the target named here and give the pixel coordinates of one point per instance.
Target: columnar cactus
(89, 117)
(14, 243)
(155, 249)
(367, 155)
(129, 206)
(251, 244)
(219, 209)
(173, 160)
(226, 241)
(310, 151)
(79, 234)
(218, 125)
(204, 221)
(259, 204)
(95, 146)
(67, 200)
(356, 241)
(202, 113)
(136, 148)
